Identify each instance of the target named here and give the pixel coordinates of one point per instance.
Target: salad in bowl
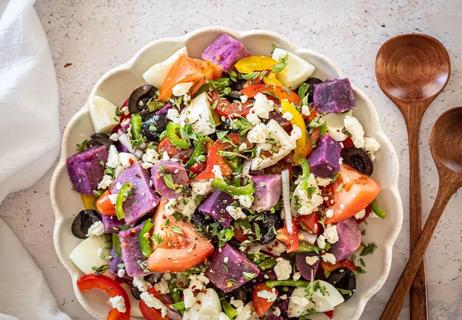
(230, 186)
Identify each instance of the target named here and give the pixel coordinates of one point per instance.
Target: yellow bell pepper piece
(89, 201)
(271, 79)
(254, 63)
(303, 146)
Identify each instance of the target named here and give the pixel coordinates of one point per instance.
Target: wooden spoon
(446, 148)
(412, 70)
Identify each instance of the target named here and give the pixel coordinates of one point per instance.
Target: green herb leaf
(101, 269)
(168, 180)
(176, 229)
(82, 146)
(368, 249)
(249, 275)
(250, 76)
(282, 64)
(221, 134)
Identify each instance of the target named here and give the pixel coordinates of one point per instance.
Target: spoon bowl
(412, 67)
(446, 140)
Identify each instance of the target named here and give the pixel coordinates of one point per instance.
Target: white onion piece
(138, 153)
(307, 237)
(246, 168)
(286, 200)
(125, 141)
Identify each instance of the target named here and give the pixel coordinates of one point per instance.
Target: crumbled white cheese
(105, 182)
(188, 298)
(258, 133)
(237, 304)
(201, 187)
(217, 172)
(244, 98)
(329, 213)
(297, 276)
(330, 233)
(153, 302)
(298, 303)
(269, 296)
(262, 106)
(181, 89)
(125, 159)
(118, 302)
(170, 206)
(371, 145)
(356, 130)
(113, 197)
(150, 155)
(296, 133)
(173, 115)
(253, 118)
(243, 146)
(306, 110)
(112, 157)
(311, 260)
(329, 257)
(277, 311)
(140, 284)
(235, 212)
(198, 282)
(245, 200)
(323, 182)
(96, 229)
(288, 116)
(360, 215)
(321, 241)
(162, 285)
(283, 269)
(306, 201)
(121, 273)
(114, 137)
(223, 316)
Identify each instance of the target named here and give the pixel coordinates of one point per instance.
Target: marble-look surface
(89, 37)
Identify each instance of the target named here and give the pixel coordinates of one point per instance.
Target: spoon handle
(447, 187)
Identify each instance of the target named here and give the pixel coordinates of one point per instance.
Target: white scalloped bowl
(117, 84)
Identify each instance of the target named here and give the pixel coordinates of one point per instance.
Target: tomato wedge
(277, 91)
(104, 205)
(184, 69)
(290, 240)
(358, 192)
(111, 287)
(166, 145)
(230, 109)
(214, 159)
(260, 304)
(181, 247)
(152, 313)
(311, 223)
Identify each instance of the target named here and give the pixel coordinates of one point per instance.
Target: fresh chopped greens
(281, 65)
(368, 249)
(82, 146)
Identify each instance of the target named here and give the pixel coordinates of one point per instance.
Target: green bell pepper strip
(172, 134)
(136, 125)
(178, 306)
(379, 212)
(198, 150)
(287, 283)
(144, 238)
(221, 184)
(121, 197)
(116, 244)
(228, 309)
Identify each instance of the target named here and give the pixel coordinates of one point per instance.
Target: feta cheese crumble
(283, 269)
(153, 302)
(201, 187)
(311, 260)
(329, 257)
(141, 284)
(96, 229)
(330, 233)
(356, 130)
(258, 133)
(360, 215)
(269, 296)
(118, 302)
(235, 212)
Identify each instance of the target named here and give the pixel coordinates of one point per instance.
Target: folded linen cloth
(29, 137)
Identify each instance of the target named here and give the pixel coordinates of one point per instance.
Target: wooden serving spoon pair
(412, 70)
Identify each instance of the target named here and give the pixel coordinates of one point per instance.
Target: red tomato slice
(229, 109)
(166, 145)
(213, 158)
(183, 70)
(290, 240)
(112, 289)
(342, 264)
(260, 304)
(358, 192)
(311, 223)
(276, 91)
(181, 248)
(239, 235)
(150, 313)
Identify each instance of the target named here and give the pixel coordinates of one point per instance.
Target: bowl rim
(378, 131)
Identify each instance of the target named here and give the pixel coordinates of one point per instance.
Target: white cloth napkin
(29, 137)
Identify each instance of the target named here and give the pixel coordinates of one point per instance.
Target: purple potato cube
(114, 262)
(111, 223)
(86, 169)
(178, 173)
(324, 160)
(131, 251)
(334, 96)
(142, 199)
(349, 239)
(225, 51)
(267, 191)
(215, 206)
(230, 269)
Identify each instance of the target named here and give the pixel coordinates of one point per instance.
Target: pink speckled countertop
(89, 37)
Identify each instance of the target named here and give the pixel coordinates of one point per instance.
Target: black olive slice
(83, 221)
(358, 159)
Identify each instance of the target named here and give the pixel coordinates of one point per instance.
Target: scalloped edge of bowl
(183, 40)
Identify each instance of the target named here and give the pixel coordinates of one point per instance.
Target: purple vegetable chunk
(86, 169)
(225, 51)
(307, 271)
(334, 96)
(230, 269)
(349, 239)
(324, 160)
(178, 173)
(111, 223)
(114, 262)
(164, 110)
(131, 251)
(267, 191)
(215, 206)
(142, 199)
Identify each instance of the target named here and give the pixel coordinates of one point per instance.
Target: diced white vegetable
(247, 313)
(298, 303)
(158, 72)
(285, 179)
(102, 113)
(85, 255)
(286, 145)
(297, 70)
(199, 115)
(207, 307)
(335, 124)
